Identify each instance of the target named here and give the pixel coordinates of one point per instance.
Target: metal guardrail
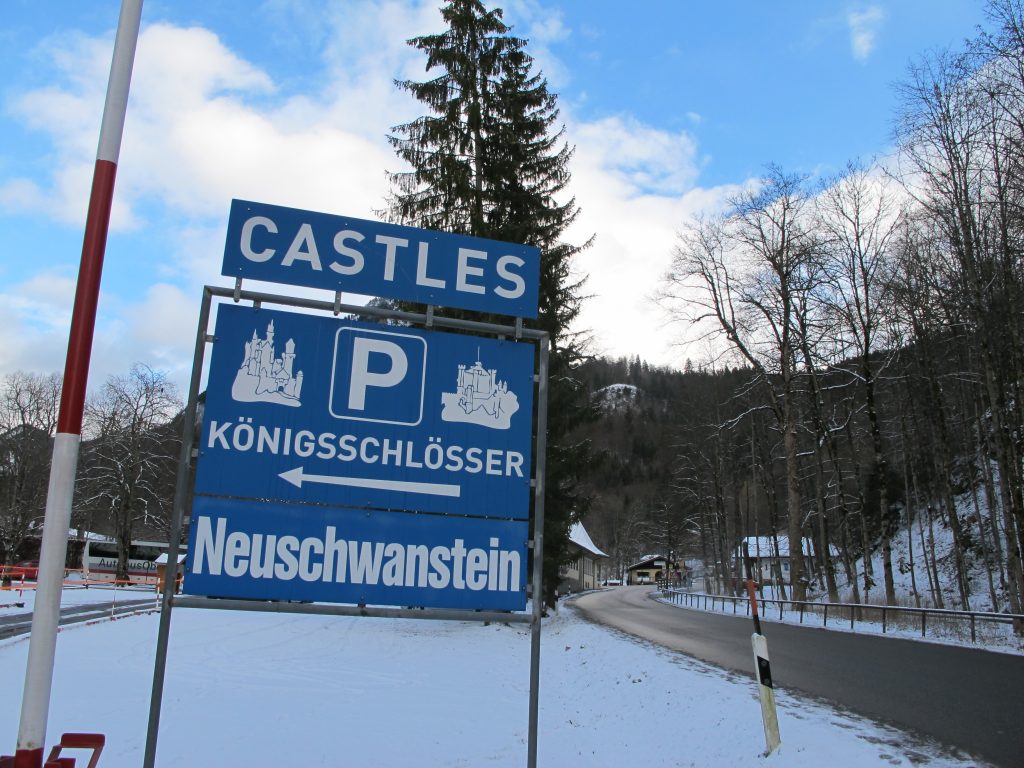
(854, 612)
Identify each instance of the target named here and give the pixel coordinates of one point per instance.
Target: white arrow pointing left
(297, 477)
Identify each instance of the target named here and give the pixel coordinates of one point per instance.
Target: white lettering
(240, 554)
(513, 463)
(343, 250)
(394, 568)
(218, 433)
(261, 558)
(237, 548)
(421, 269)
(389, 452)
(509, 571)
(441, 576)
(476, 569)
(519, 285)
(473, 463)
(493, 461)
(416, 565)
(246, 241)
(364, 455)
(304, 237)
(288, 566)
(363, 377)
(390, 245)
(364, 562)
(458, 553)
(464, 270)
(335, 557)
(209, 546)
(308, 570)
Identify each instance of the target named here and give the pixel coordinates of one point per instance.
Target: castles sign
(372, 258)
(307, 408)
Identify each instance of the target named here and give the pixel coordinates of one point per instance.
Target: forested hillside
(689, 461)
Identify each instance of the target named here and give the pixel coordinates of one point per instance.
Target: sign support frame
(169, 599)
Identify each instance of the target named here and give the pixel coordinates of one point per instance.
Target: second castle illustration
(480, 398)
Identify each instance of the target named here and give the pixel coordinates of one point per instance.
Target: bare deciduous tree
(28, 418)
(859, 218)
(129, 453)
(748, 269)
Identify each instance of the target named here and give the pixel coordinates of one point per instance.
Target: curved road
(962, 697)
(21, 623)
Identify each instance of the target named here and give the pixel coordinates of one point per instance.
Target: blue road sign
(340, 253)
(311, 408)
(300, 552)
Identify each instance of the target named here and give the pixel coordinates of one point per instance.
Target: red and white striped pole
(35, 703)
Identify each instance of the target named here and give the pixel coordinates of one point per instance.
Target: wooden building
(581, 573)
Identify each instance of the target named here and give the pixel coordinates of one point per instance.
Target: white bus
(99, 560)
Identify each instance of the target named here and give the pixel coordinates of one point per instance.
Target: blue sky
(672, 106)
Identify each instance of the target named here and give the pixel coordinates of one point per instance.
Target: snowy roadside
(267, 689)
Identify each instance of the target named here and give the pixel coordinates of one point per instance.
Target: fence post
(801, 613)
(924, 619)
(826, 615)
(883, 619)
(973, 637)
(762, 667)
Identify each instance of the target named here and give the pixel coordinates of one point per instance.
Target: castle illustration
(265, 378)
(479, 398)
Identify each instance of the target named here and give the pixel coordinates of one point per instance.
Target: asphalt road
(967, 699)
(21, 624)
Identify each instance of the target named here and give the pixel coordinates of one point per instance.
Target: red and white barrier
(35, 703)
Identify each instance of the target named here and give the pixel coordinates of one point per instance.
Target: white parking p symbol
(362, 377)
(378, 376)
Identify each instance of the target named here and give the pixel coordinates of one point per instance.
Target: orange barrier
(20, 583)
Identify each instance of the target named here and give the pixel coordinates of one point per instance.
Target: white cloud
(21, 196)
(636, 187)
(36, 315)
(643, 159)
(864, 26)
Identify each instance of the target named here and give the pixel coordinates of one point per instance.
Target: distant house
(770, 556)
(581, 573)
(651, 569)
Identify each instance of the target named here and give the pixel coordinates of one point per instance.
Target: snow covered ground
(267, 689)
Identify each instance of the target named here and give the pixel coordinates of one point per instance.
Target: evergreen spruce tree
(488, 160)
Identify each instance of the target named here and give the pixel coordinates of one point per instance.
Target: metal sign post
(538, 551)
